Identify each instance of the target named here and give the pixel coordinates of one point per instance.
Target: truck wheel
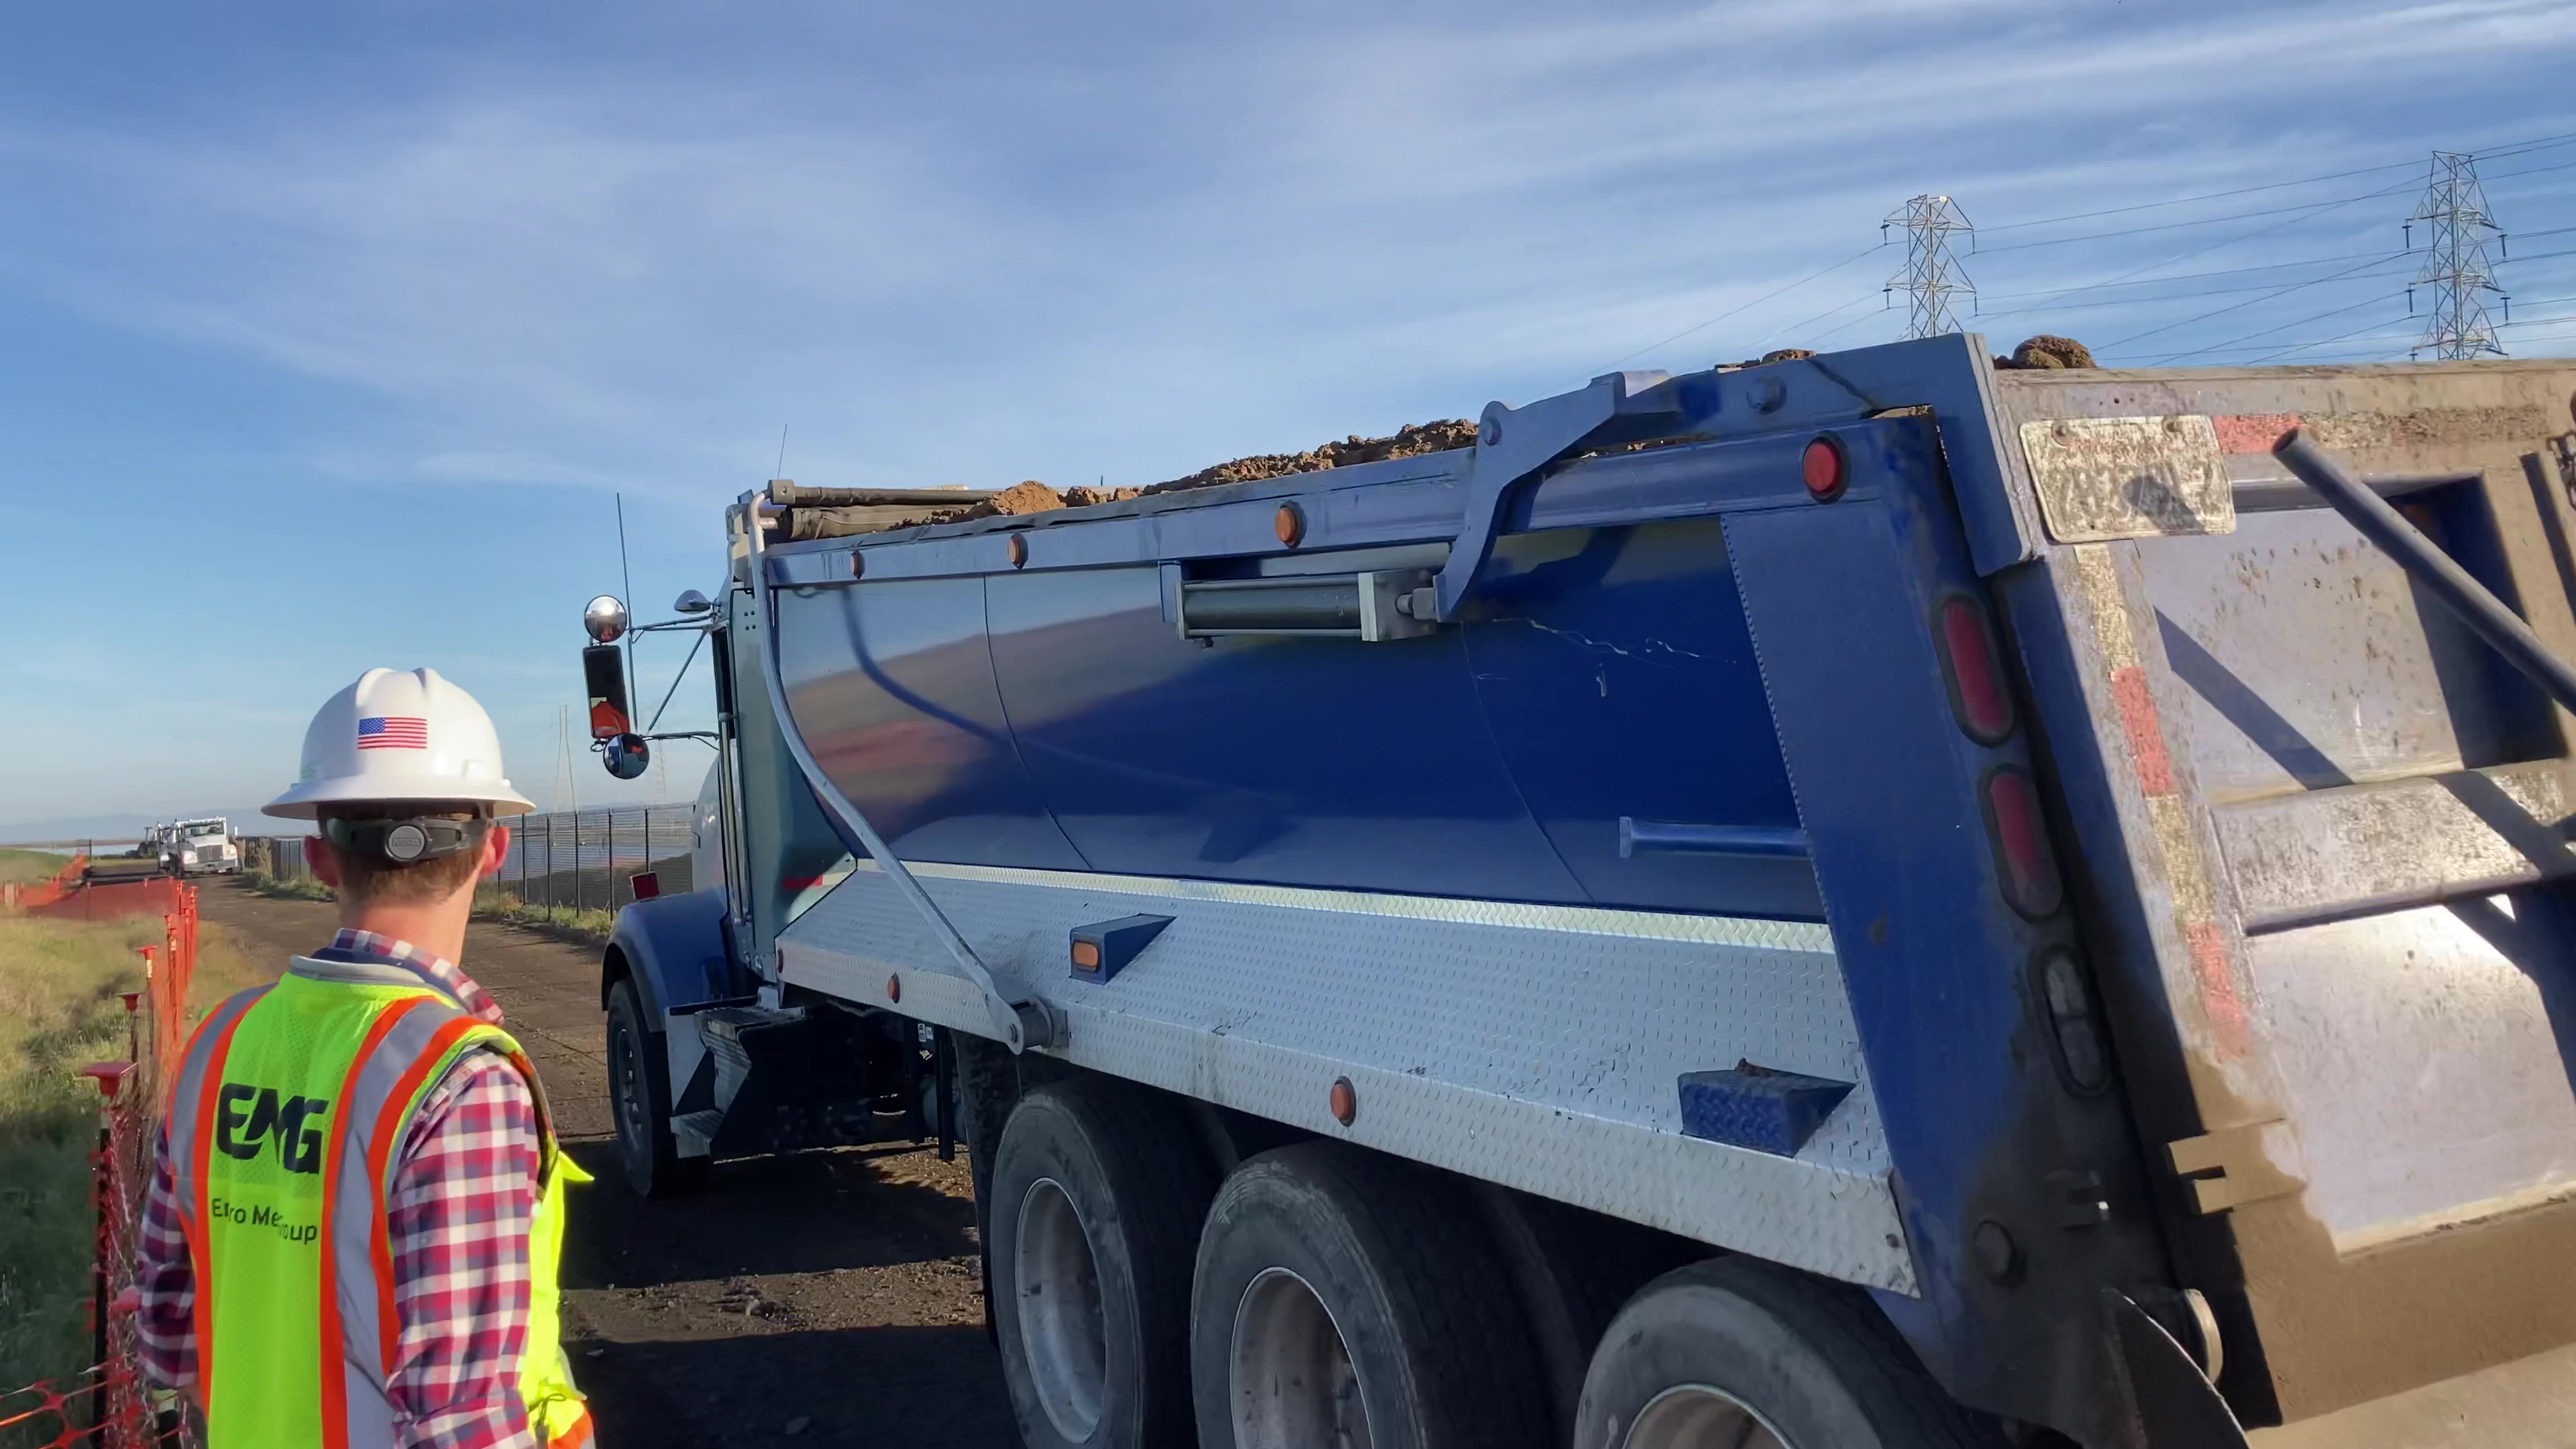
(1343, 1299)
(639, 1093)
(1739, 1353)
(1097, 1192)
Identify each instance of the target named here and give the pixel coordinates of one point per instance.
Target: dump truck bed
(2314, 835)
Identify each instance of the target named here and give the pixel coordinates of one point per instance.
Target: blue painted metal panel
(1617, 676)
(675, 952)
(891, 683)
(1750, 1106)
(1840, 600)
(1309, 762)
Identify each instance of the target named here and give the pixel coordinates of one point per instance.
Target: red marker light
(1974, 667)
(2022, 855)
(1823, 468)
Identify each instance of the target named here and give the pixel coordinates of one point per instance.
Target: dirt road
(825, 1298)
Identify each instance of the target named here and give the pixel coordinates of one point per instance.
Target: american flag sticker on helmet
(393, 732)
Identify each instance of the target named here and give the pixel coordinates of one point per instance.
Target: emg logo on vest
(245, 1114)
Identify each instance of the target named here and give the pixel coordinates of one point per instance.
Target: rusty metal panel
(2107, 478)
(2318, 782)
(2361, 849)
(2307, 660)
(2419, 1061)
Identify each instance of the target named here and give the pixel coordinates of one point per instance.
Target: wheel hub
(1063, 1333)
(1696, 1416)
(1292, 1380)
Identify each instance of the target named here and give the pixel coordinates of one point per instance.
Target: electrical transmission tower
(2454, 212)
(1932, 274)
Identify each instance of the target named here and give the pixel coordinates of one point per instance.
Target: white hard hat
(399, 737)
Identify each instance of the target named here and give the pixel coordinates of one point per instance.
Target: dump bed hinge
(1514, 443)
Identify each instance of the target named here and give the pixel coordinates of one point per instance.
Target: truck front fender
(673, 949)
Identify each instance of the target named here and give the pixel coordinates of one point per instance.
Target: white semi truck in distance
(200, 847)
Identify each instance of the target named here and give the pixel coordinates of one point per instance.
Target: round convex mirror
(605, 619)
(627, 756)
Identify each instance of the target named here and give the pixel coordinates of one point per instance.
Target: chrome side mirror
(604, 618)
(691, 602)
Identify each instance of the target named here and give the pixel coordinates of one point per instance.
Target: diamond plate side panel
(1537, 1047)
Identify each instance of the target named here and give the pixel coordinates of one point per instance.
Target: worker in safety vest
(357, 1202)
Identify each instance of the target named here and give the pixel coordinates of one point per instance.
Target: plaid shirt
(464, 1192)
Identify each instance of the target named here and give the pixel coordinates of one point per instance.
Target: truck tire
(1571, 1273)
(639, 1098)
(1741, 1353)
(1344, 1298)
(1097, 1193)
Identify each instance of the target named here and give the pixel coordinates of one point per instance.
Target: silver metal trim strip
(1586, 920)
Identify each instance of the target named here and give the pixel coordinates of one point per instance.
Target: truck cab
(203, 846)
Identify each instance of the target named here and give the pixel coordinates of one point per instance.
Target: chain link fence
(588, 859)
(583, 859)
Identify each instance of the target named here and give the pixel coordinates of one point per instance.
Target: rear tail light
(1974, 669)
(1824, 468)
(647, 884)
(2020, 836)
(2073, 1021)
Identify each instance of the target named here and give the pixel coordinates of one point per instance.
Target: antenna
(626, 577)
(1932, 272)
(2454, 211)
(781, 470)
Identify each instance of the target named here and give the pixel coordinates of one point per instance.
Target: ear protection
(406, 842)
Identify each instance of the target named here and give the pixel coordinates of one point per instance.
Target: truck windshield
(204, 828)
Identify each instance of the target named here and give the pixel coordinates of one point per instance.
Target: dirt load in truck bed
(806, 521)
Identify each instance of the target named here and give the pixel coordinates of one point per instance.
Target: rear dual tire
(1343, 1300)
(1738, 1354)
(1096, 1197)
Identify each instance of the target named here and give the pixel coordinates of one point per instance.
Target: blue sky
(330, 332)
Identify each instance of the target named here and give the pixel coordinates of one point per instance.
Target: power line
(2498, 151)
(1796, 327)
(2530, 170)
(2296, 347)
(2126, 301)
(2454, 209)
(1932, 274)
(2517, 148)
(2234, 306)
(1846, 327)
(1749, 306)
(2133, 273)
(2180, 225)
(2199, 276)
(2364, 331)
(2372, 301)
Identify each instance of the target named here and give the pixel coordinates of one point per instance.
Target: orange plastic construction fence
(108, 1406)
(46, 893)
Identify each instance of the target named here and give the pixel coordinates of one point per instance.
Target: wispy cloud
(543, 254)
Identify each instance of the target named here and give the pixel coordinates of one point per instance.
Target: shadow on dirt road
(821, 1298)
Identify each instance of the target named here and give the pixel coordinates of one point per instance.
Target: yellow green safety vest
(284, 1122)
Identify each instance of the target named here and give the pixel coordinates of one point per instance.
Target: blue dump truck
(1866, 901)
